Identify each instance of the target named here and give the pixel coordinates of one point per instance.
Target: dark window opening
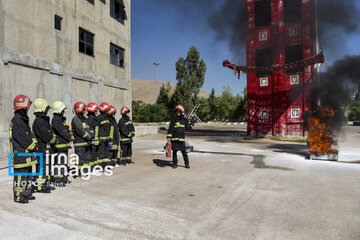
(86, 42)
(264, 58)
(262, 13)
(57, 22)
(117, 10)
(103, 1)
(116, 55)
(91, 1)
(294, 53)
(292, 11)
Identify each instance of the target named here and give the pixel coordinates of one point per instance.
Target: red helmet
(104, 107)
(125, 110)
(21, 102)
(112, 110)
(180, 108)
(79, 107)
(92, 107)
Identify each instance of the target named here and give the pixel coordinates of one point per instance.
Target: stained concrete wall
(41, 62)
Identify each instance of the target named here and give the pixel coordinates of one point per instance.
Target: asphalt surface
(235, 189)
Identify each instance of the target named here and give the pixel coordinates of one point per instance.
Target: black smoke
(336, 86)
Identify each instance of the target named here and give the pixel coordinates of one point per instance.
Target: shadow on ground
(216, 135)
(296, 149)
(259, 163)
(164, 163)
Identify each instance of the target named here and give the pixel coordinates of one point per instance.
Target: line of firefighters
(97, 138)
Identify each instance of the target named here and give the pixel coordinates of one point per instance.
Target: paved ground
(235, 189)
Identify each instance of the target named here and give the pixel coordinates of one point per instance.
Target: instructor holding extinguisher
(176, 134)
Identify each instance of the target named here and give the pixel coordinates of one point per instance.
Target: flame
(320, 138)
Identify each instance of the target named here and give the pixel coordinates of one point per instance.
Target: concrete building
(68, 50)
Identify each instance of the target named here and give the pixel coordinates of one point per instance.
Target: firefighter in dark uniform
(64, 137)
(46, 139)
(127, 132)
(114, 132)
(176, 134)
(22, 141)
(104, 135)
(82, 137)
(92, 109)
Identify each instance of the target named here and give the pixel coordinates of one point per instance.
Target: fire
(320, 138)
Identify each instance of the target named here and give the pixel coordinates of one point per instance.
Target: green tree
(204, 112)
(354, 111)
(190, 76)
(136, 110)
(226, 104)
(163, 96)
(212, 104)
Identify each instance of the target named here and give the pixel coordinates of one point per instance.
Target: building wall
(270, 106)
(41, 62)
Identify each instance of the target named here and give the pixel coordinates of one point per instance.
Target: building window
(295, 113)
(292, 11)
(91, 1)
(103, 1)
(294, 80)
(116, 55)
(117, 10)
(264, 81)
(294, 53)
(263, 36)
(264, 58)
(86, 42)
(57, 22)
(264, 114)
(262, 13)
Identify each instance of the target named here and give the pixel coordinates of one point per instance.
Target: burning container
(320, 138)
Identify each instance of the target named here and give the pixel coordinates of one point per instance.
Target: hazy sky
(161, 33)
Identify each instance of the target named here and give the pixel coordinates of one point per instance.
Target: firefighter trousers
(104, 154)
(84, 153)
(43, 181)
(22, 185)
(60, 166)
(185, 156)
(126, 153)
(94, 154)
(113, 157)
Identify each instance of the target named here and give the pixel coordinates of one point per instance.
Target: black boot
(187, 165)
(44, 190)
(174, 166)
(30, 197)
(21, 200)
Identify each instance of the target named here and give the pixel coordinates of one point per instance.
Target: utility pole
(156, 64)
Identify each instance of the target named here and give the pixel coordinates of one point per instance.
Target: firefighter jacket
(114, 131)
(94, 128)
(127, 130)
(22, 140)
(61, 131)
(81, 131)
(177, 128)
(104, 128)
(44, 133)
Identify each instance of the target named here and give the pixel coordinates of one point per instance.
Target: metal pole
(317, 49)
(156, 64)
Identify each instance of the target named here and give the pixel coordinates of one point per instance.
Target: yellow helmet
(58, 107)
(40, 105)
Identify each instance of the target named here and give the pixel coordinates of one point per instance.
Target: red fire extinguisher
(168, 149)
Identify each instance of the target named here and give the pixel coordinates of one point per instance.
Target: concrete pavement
(235, 189)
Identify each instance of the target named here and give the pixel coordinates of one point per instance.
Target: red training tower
(281, 54)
